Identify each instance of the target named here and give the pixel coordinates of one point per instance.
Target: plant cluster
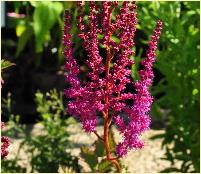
(178, 90)
(47, 150)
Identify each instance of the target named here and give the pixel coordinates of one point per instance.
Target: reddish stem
(106, 116)
(107, 146)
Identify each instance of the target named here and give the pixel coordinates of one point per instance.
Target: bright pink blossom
(106, 91)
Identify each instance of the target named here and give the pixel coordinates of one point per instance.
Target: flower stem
(106, 116)
(107, 146)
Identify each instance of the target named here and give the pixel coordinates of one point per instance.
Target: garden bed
(147, 159)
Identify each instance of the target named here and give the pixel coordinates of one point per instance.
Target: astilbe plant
(105, 92)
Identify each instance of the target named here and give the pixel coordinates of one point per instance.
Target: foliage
(38, 28)
(178, 62)
(5, 64)
(43, 22)
(15, 130)
(37, 22)
(11, 166)
(47, 150)
(44, 156)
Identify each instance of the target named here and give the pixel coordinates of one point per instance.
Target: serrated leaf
(5, 64)
(89, 156)
(99, 148)
(104, 166)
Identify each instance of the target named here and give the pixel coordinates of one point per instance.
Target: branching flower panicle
(105, 92)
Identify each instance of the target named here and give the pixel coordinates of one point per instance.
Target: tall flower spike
(71, 64)
(105, 92)
(138, 115)
(86, 100)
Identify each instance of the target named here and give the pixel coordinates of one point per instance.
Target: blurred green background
(31, 38)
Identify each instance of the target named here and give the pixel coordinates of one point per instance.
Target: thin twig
(99, 137)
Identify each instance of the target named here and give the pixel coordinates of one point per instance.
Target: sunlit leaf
(23, 39)
(5, 64)
(89, 156)
(20, 29)
(104, 166)
(45, 16)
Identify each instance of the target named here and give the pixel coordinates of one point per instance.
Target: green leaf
(44, 17)
(111, 141)
(89, 156)
(5, 64)
(99, 148)
(195, 91)
(24, 37)
(34, 3)
(104, 166)
(57, 8)
(20, 29)
(117, 40)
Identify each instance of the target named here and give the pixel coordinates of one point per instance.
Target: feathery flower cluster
(105, 92)
(139, 119)
(5, 142)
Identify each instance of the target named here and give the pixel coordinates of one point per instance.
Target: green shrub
(46, 151)
(178, 62)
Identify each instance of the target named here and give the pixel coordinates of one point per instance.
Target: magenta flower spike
(105, 92)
